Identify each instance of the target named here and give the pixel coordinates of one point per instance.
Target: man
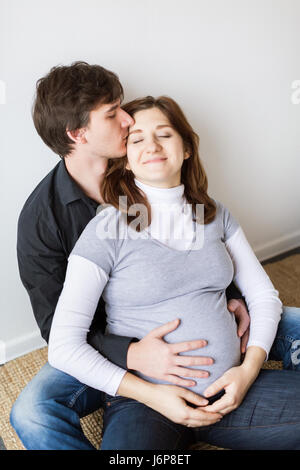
(78, 115)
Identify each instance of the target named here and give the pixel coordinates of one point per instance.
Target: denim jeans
(47, 413)
(267, 419)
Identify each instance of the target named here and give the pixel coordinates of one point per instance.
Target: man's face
(106, 133)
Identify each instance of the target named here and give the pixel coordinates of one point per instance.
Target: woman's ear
(186, 155)
(127, 166)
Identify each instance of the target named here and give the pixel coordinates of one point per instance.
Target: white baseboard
(19, 346)
(278, 246)
(2, 352)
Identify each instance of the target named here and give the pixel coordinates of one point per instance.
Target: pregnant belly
(223, 345)
(211, 322)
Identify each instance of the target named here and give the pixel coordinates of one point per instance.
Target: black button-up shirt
(49, 225)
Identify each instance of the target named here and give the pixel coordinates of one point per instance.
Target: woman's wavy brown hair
(120, 182)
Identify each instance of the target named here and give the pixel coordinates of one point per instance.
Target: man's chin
(121, 155)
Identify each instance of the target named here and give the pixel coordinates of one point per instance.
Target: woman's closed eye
(160, 136)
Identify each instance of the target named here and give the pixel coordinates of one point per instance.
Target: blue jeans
(47, 413)
(267, 419)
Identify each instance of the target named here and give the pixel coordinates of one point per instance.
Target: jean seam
(286, 338)
(76, 395)
(255, 427)
(115, 400)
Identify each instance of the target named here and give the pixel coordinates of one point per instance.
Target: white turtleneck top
(175, 268)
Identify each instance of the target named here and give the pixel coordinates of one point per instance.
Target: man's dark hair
(66, 96)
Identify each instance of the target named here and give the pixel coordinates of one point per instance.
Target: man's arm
(42, 265)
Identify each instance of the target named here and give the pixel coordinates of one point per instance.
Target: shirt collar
(162, 195)
(68, 188)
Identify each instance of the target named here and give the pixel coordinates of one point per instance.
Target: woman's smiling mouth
(155, 160)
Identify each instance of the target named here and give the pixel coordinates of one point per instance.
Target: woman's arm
(69, 351)
(263, 302)
(265, 310)
(68, 348)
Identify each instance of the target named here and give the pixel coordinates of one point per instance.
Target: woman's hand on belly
(172, 401)
(236, 382)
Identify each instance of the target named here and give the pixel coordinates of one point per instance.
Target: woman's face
(155, 151)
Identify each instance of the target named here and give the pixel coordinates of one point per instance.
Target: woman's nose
(152, 146)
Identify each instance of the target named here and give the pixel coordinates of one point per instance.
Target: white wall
(230, 64)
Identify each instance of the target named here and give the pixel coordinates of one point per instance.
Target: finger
(193, 361)
(243, 326)
(204, 421)
(190, 372)
(200, 423)
(202, 418)
(226, 410)
(174, 379)
(163, 330)
(194, 398)
(220, 405)
(244, 341)
(188, 346)
(215, 387)
(233, 305)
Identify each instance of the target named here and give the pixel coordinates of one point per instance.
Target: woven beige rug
(16, 374)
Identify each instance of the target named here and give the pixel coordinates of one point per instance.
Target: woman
(168, 263)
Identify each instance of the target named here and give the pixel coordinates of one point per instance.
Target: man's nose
(126, 119)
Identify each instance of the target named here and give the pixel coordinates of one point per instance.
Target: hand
(236, 383)
(153, 357)
(171, 401)
(239, 309)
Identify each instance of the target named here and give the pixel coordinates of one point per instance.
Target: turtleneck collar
(162, 195)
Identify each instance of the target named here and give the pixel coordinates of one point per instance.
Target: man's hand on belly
(239, 310)
(153, 357)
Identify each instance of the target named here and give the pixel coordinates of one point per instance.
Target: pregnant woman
(167, 250)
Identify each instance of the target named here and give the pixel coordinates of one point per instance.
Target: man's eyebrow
(157, 127)
(112, 108)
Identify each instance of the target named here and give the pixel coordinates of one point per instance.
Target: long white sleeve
(262, 299)
(68, 348)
